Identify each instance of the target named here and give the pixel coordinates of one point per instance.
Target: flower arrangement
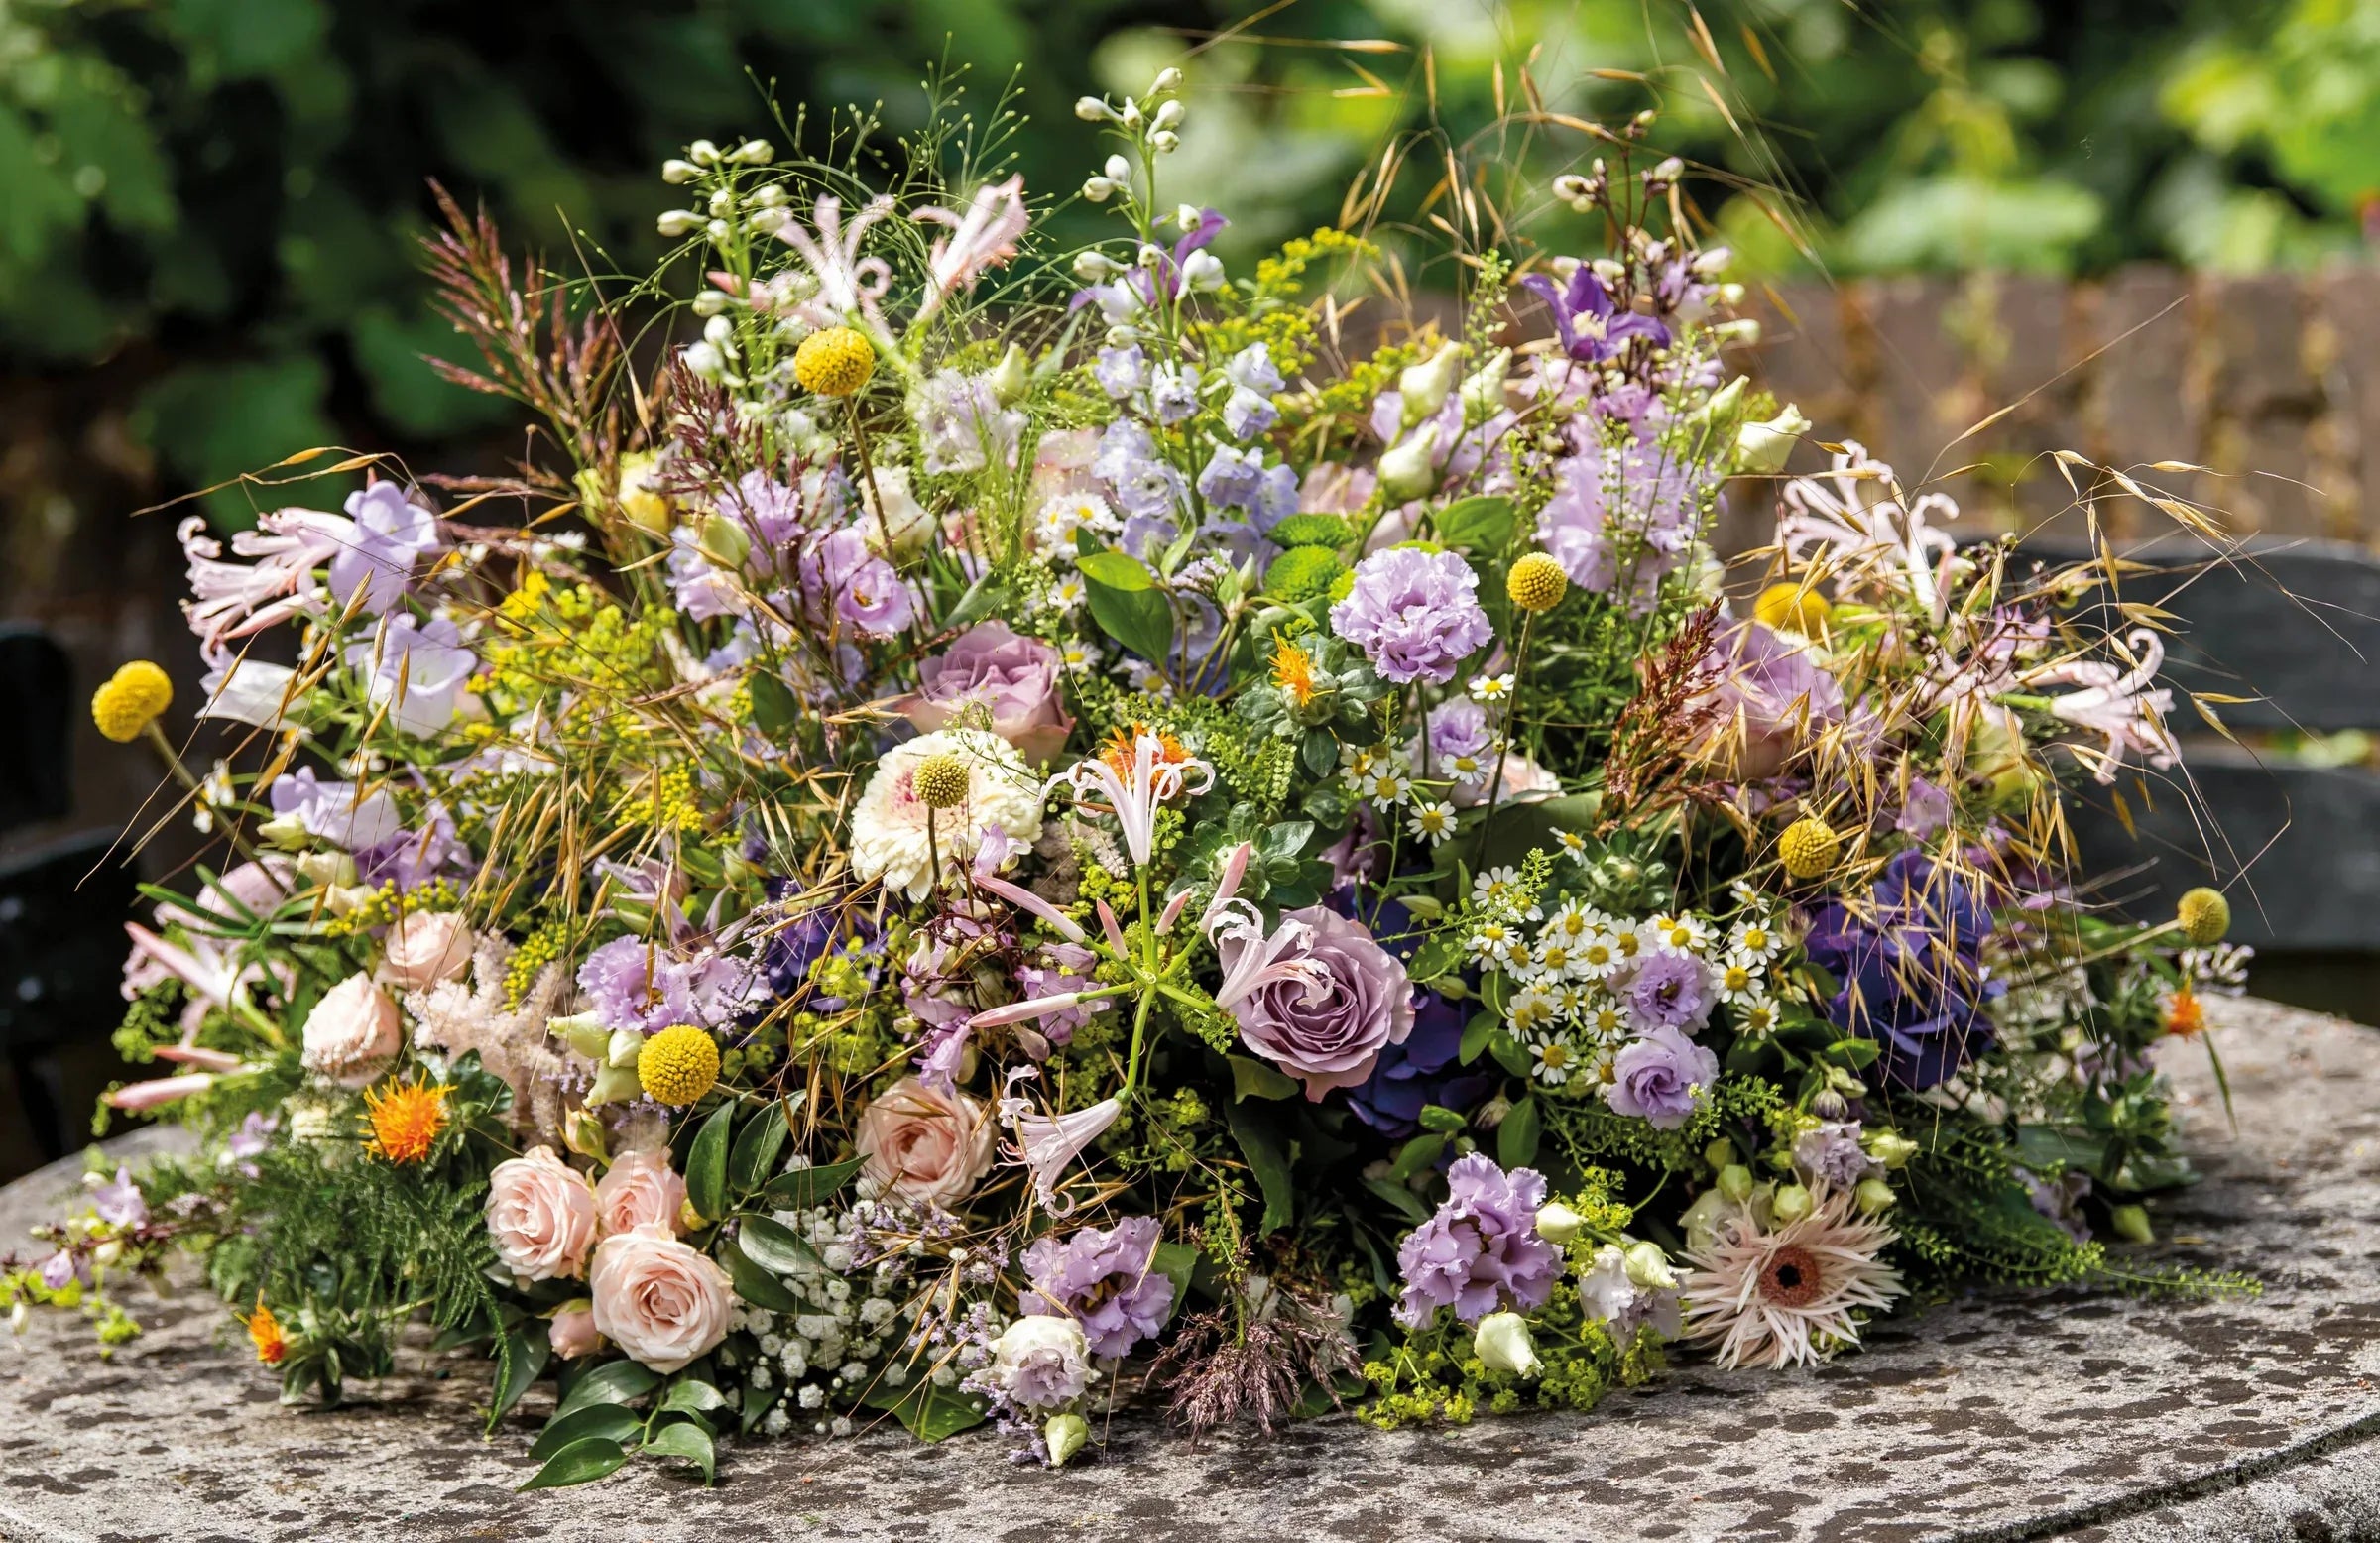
(1009, 830)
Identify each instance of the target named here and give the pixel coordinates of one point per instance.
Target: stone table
(2064, 1414)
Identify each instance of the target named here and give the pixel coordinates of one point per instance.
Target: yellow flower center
(130, 700)
(678, 1065)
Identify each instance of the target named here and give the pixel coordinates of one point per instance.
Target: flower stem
(1496, 785)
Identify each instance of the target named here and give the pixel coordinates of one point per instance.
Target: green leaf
(1285, 839)
(927, 1411)
(1177, 1262)
(1116, 570)
(691, 1396)
(525, 1355)
(1438, 1117)
(1399, 1198)
(684, 1439)
(1510, 1054)
(1319, 752)
(581, 1461)
(1253, 1079)
(1415, 1155)
(1477, 1033)
(609, 1421)
(1483, 522)
(1855, 1052)
(775, 712)
(1516, 1137)
(984, 598)
(1262, 1150)
(1138, 618)
(804, 1187)
(1434, 959)
(755, 1285)
(706, 1163)
(756, 1150)
(771, 1244)
(613, 1382)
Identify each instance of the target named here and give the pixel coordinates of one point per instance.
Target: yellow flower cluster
(678, 1065)
(385, 904)
(130, 700)
(539, 949)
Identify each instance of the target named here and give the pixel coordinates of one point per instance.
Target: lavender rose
(540, 1216)
(352, 1033)
(1015, 677)
(1481, 1249)
(1105, 1280)
(657, 1299)
(639, 1190)
(1659, 1077)
(1327, 1025)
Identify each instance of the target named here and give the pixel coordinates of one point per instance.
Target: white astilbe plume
(1865, 533)
(1783, 1294)
(512, 1042)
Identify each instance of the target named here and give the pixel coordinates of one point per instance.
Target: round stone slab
(2002, 1416)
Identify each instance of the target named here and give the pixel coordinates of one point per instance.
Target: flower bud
(1719, 1153)
(1012, 380)
(1168, 80)
(1092, 110)
(1099, 189)
(1889, 1147)
(710, 303)
(1425, 385)
(1405, 470)
(1503, 1341)
(1483, 389)
(1790, 1203)
(1735, 1182)
(2132, 1224)
(583, 1134)
(1091, 267)
(1202, 270)
(768, 221)
(1557, 1223)
(1129, 114)
(1648, 1267)
(1066, 1435)
(756, 151)
(703, 153)
(676, 171)
(1164, 142)
(1742, 330)
(705, 362)
(326, 867)
(1874, 1197)
(724, 540)
(1761, 449)
(1117, 170)
(1167, 116)
(677, 223)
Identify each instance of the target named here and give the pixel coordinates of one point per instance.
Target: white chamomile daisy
(1629, 939)
(1679, 934)
(1489, 690)
(1067, 593)
(1576, 999)
(1068, 512)
(1078, 658)
(1604, 1019)
(1755, 1017)
(1467, 769)
(1555, 959)
(1571, 922)
(1389, 784)
(1433, 822)
(1755, 940)
(1529, 1009)
(1556, 1059)
(1739, 982)
(1500, 888)
(1574, 845)
(1488, 940)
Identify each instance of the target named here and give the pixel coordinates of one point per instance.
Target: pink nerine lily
(984, 237)
(1027, 900)
(1250, 960)
(1047, 1144)
(848, 284)
(235, 599)
(2117, 703)
(1133, 794)
(206, 967)
(1888, 542)
(164, 1090)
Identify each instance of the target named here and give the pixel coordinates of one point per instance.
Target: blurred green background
(207, 202)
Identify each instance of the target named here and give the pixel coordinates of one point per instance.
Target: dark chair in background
(61, 934)
(2294, 842)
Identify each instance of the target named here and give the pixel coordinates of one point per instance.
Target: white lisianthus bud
(1405, 471)
(1790, 1203)
(1091, 267)
(1149, 256)
(676, 171)
(1425, 385)
(1728, 295)
(1557, 1223)
(1761, 449)
(1130, 114)
(1167, 116)
(1164, 142)
(1889, 1147)
(1483, 389)
(756, 151)
(1742, 330)
(1202, 270)
(1092, 110)
(1648, 1267)
(677, 223)
(1099, 189)
(1168, 80)
(1010, 380)
(1503, 1341)
(1874, 1196)
(770, 221)
(1117, 170)
(1720, 406)
(1735, 1182)
(1610, 270)
(1066, 1435)
(1123, 337)
(703, 153)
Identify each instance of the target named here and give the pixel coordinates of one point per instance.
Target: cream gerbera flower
(1784, 1295)
(888, 828)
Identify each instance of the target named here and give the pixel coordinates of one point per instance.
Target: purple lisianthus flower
(700, 590)
(1012, 678)
(839, 571)
(334, 811)
(1480, 1252)
(120, 1204)
(392, 535)
(1172, 393)
(2059, 1199)
(635, 985)
(1326, 1020)
(1659, 1078)
(1910, 961)
(1415, 615)
(1831, 1154)
(1104, 1279)
(411, 857)
(1461, 749)
(1426, 1068)
(1666, 990)
(1231, 477)
(1591, 325)
(415, 669)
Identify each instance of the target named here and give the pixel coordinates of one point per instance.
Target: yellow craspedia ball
(2204, 917)
(130, 700)
(1790, 608)
(1808, 847)
(835, 362)
(940, 781)
(1536, 582)
(678, 1065)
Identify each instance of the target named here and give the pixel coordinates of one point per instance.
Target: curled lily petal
(1027, 900)
(1234, 868)
(1028, 1009)
(164, 1090)
(1047, 1143)
(1106, 921)
(197, 1055)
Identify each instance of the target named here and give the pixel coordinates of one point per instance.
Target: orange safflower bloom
(264, 1331)
(2185, 1014)
(1292, 672)
(406, 1120)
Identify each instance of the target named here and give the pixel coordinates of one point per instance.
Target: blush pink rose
(540, 1216)
(657, 1299)
(924, 1145)
(352, 1033)
(425, 948)
(573, 1334)
(639, 1190)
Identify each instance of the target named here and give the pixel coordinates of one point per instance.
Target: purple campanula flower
(1591, 326)
(1659, 1077)
(120, 1204)
(1172, 393)
(392, 536)
(1128, 462)
(1276, 498)
(415, 669)
(1122, 371)
(1231, 477)
(1415, 615)
(1480, 1252)
(1104, 1278)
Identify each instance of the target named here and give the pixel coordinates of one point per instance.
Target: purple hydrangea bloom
(1415, 615)
(1655, 1078)
(1911, 967)
(1104, 1278)
(1426, 1068)
(1666, 990)
(1831, 1154)
(1623, 518)
(1480, 1252)
(391, 535)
